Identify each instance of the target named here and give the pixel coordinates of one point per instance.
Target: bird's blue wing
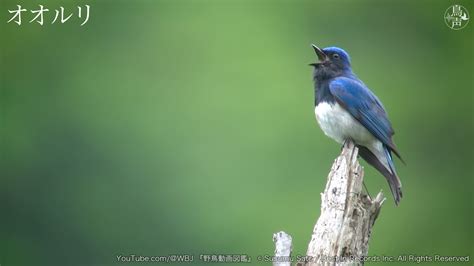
(364, 106)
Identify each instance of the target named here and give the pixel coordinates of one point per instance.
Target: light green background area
(187, 127)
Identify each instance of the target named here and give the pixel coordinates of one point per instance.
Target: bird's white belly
(339, 124)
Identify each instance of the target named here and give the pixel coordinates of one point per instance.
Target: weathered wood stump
(341, 234)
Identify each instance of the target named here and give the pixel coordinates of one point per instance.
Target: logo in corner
(456, 17)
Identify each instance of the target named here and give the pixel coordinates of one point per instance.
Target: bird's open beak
(321, 55)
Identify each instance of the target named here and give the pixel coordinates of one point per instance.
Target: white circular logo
(456, 17)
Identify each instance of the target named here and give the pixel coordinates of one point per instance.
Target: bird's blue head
(333, 62)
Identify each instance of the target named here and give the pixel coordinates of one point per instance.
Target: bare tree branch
(283, 249)
(341, 234)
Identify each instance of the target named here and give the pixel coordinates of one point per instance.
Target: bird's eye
(335, 56)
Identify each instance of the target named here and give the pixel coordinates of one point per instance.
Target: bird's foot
(345, 142)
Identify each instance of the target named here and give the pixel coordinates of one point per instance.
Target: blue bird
(346, 109)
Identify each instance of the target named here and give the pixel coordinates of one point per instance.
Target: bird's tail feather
(390, 174)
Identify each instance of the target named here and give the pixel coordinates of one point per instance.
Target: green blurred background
(187, 127)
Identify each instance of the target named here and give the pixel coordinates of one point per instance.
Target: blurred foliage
(169, 127)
